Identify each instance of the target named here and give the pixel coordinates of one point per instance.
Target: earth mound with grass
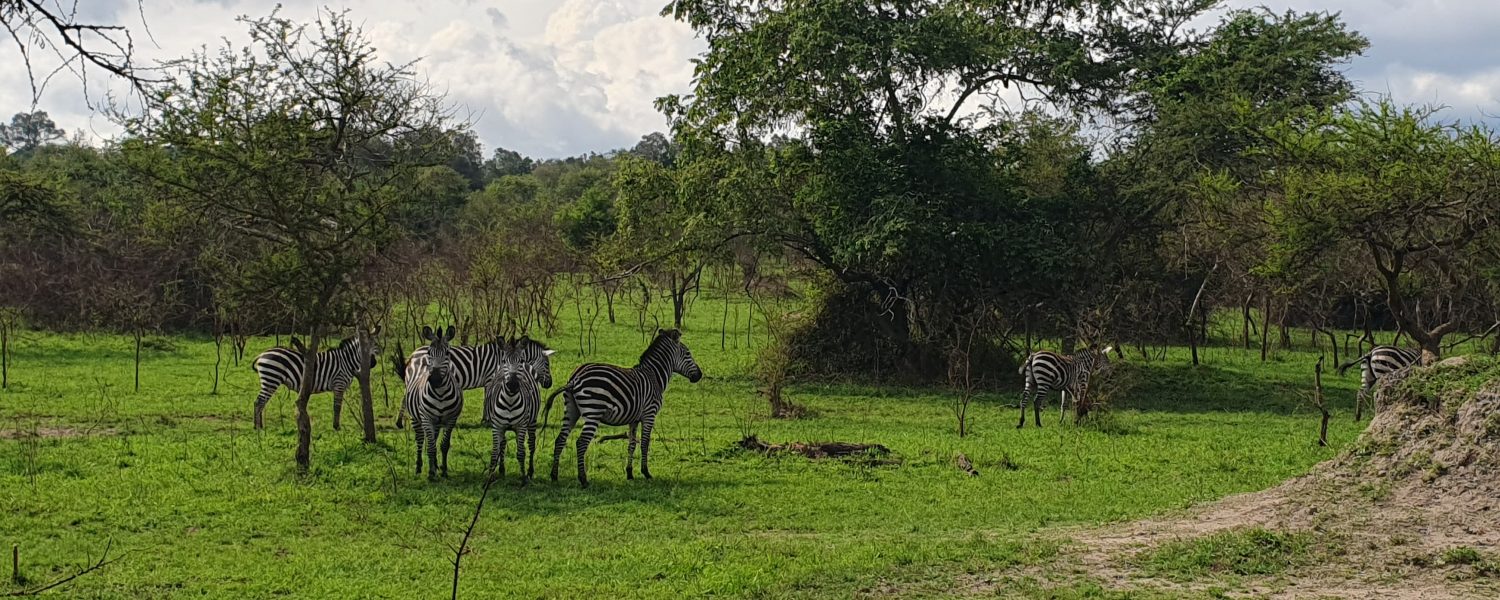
(1410, 510)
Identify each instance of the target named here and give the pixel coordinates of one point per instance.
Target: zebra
(335, 369)
(434, 401)
(1046, 371)
(512, 400)
(1375, 365)
(470, 367)
(612, 395)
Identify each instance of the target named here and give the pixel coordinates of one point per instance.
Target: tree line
(932, 175)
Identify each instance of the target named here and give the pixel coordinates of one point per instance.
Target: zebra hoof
(629, 475)
(646, 474)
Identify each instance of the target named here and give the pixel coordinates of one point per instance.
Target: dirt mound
(1410, 510)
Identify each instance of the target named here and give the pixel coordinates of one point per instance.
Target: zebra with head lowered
(512, 402)
(469, 366)
(434, 401)
(600, 393)
(335, 369)
(1047, 371)
(1375, 365)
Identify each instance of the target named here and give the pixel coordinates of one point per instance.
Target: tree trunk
(1285, 332)
(218, 359)
(1432, 348)
(1265, 329)
(366, 397)
(1247, 321)
(304, 392)
(1332, 341)
(137, 359)
(1192, 336)
(609, 302)
(5, 355)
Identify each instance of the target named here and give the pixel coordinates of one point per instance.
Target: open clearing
(195, 501)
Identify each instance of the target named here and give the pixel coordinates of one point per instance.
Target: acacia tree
(297, 147)
(1413, 196)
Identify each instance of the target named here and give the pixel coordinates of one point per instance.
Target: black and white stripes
(1375, 365)
(612, 395)
(434, 401)
(512, 401)
(334, 370)
(1046, 371)
(469, 366)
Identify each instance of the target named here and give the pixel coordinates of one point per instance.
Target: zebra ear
(297, 344)
(375, 331)
(449, 336)
(548, 352)
(1107, 349)
(427, 333)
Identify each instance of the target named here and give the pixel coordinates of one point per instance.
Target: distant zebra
(434, 401)
(513, 402)
(1046, 371)
(335, 369)
(1375, 365)
(599, 393)
(470, 366)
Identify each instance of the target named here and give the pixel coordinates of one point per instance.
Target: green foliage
(1254, 551)
(29, 131)
(178, 471)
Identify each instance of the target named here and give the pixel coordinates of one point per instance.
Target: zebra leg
(1037, 400)
(570, 418)
(266, 391)
(630, 455)
(447, 443)
(521, 454)
(416, 430)
(585, 436)
(1062, 406)
(497, 450)
(1025, 395)
(530, 452)
(648, 424)
(338, 409)
(429, 431)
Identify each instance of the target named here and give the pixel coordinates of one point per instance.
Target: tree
(48, 27)
(1415, 197)
(901, 193)
(27, 131)
(299, 148)
(657, 148)
(506, 162)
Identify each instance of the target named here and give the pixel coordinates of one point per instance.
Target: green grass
(197, 502)
(1253, 551)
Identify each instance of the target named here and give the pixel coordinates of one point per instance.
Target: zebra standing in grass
(599, 393)
(1375, 365)
(434, 401)
(335, 369)
(512, 400)
(470, 367)
(1046, 371)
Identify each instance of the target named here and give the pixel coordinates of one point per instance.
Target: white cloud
(560, 78)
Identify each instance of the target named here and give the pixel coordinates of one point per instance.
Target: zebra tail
(547, 408)
(1024, 364)
(1345, 366)
(400, 364)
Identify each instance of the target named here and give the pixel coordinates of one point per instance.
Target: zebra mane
(665, 338)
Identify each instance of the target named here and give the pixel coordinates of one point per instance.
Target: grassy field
(196, 502)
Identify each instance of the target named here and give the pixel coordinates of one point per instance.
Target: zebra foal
(1375, 365)
(1047, 371)
(613, 395)
(333, 372)
(512, 401)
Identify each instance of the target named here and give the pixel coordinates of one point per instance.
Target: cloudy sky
(557, 78)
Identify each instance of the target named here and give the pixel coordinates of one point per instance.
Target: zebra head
(533, 355)
(681, 357)
(437, 353)
(373, 336)
(1092, 360)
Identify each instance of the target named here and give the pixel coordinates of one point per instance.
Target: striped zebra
(470, 367)
(599, 393)
(1375, 365)
(1047, 371)
(335, 369)
(434, 401)
(513, 401)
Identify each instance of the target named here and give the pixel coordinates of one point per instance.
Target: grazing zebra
(1379, 362)
(470, 367)
(335, 369)
(434, 401)
(1046, 371)
(513, 401)
(612, 395)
